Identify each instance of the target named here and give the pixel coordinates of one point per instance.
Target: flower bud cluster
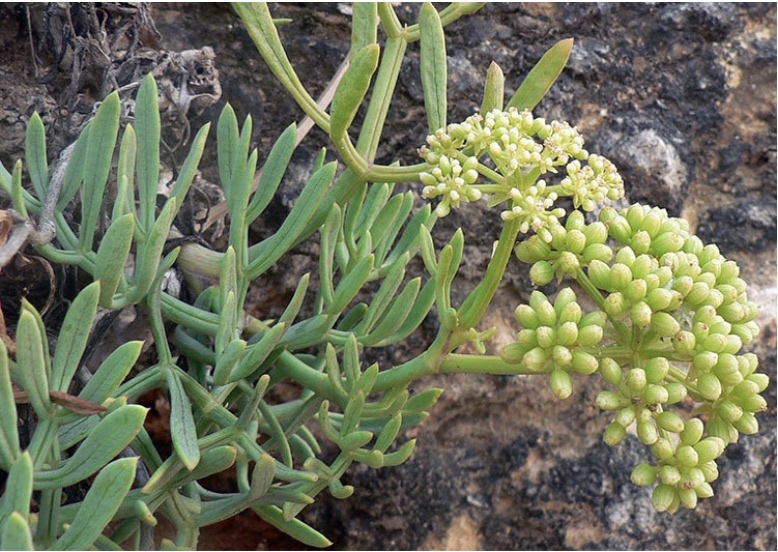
(453, 181)
(516, 149)
(675, 318)
(556, 339)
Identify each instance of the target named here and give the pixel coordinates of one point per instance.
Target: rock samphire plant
(290, 402)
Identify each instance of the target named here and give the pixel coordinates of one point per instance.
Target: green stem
(474, 307)
(482, 364)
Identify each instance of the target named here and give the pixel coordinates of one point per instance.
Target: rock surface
(682, 98)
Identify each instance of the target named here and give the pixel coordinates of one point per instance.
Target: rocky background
(681, 97)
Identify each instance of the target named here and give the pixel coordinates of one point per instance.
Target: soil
(680, 96)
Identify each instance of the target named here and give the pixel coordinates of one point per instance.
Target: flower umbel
(512, 150)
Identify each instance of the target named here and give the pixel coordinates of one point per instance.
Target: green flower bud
(750, 363)
(692, 431)
(693, 244)
(714, 342)
(561, 356)
(723, 430)
(527, 337)
(700, 330)
(670, 421)
(597, 251)
(589, 336)
(709, 449)
(734, 344)
(708, 253)
(561, 384)
(575, 241)
(643, 265)
(655, 394)
(745, 388)
(663, 498)
(663, 449)
(614, 434)
(641, 314)
(571, 312)
(596, 233)
(636, 290)
(684, 342)
(635, 215)
(692, 478)
(667, 242)
(728, 379)
(636, 379)
(641, 242)
(730, 412)
(647, 433)
(761, 380)
(568, 262)
(703, 490)
(625, 416)
(656, 369)
(541, 273)
(659, 299)
(614, 304)
(621, 276)
(747, 424)
(535, 359)
(608, 400)
(669, 475)
(705, 361)
(533, 250)
(643, 475)
(754, 403)
(729, 292)
(575, 221)
(687, 456)
(683, 285)
(676, 392)
(743, 332)
(710, 471)
(610, 371)
(526, 316)
(594, 318)
(513, 353)
(645, 414)
(599, 274)
(652, 281)
(546, 337)
(733, 312)
(546, 314)
(713, 266)
(619, 228)
(664, 324)
(567, 334)
(709, 386)
(698, 294)
(584, 363)
(729, 271)
(688, 498)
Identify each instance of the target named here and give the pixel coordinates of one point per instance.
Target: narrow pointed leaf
(189, 168)
(294, 528)
(272, 173)
(31, 360)
(105, 441)
(74, 174)
(112, 257)
(99, 506)
(99, 153)
(147, 127)
(182, 426)
(73, 337)
(433, 66)
(494, 89)
(542, 76)
(18, 488)
(364, 24)
(351, 90)
(16, 534)
(9, 433)
(35, 156)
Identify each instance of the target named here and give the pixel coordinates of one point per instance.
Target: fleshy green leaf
(433, 66)
(9, 433)
(494, 89)
(35, 156)
(99, 506)
(542, 76)
(16, 534)
(32, 359)
(99, 153)
(272, 173)
(73, 336)
(106, 440)
(147, 127)
(182, 425)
